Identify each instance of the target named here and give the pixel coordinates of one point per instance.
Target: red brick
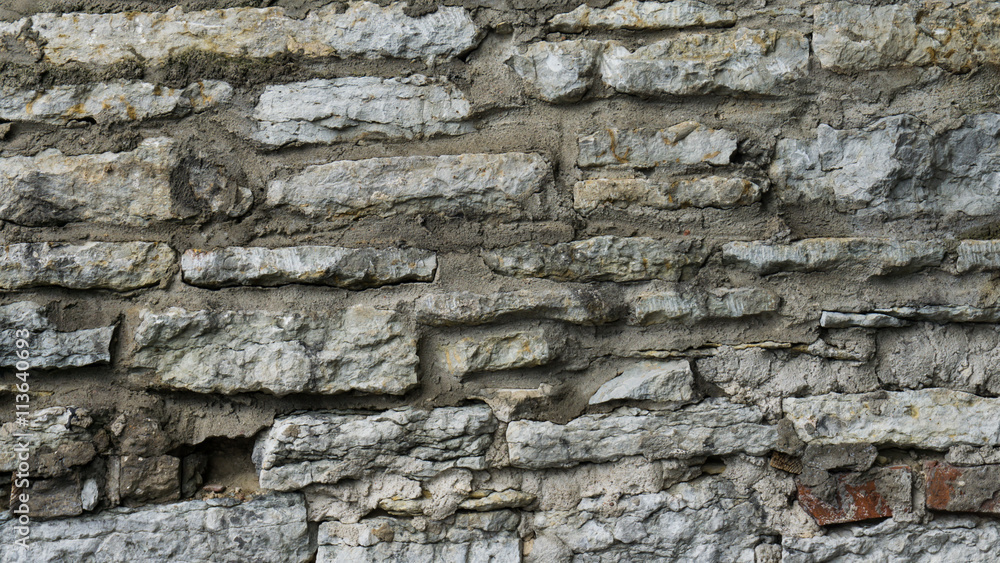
(851, 497)
(963, 489)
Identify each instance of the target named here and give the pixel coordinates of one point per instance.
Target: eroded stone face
(48, 348)
(268, 528)
(644, 16)
(684, 144)
(873, 256)
(118, 266)
(853, 497)
(472, 184)
(363, 30)
(58, 438)
(664, 305)
(962, 489)
(300, 450)
(583, 305)
(327, 111)
(352, 268)
(358, 349)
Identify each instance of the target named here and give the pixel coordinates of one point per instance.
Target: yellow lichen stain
(710, 156)
(623, 159)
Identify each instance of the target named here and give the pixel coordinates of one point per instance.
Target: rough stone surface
(498, 352)
(328, 111)
(713, 427)
(978, 256)
(363, 30)
(352, 268)
(48, 348)
(853, 497)
(667, 382)
(119, 266)
(111, 101)
(477, 184)
(604, 258)
(645, 16)
(148, 479)
(962, 489)
(131, 188)
(326, 447)
(57, 438)
(955, 356)
(833, 319)
(935, 419)
(945, 313)
(671, 304)
(710, 191)
(874, 256)
(741, 60)
(944, 539)
(471, 537)
(359, 349)
(269, 528)
(969, 455)
(559, 72)
(684, 144)
(583, 306)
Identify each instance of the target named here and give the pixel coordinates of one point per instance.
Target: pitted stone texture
(963, 489)
(353, 108)
(560, 72)
(963, 357)
(710, 191)
(363, 30)
(713, 427)
(684, 144)
(834, 319)
(666, 305)
(978, 256)
(268, 528)
(111, 101)
(361, 348)
(878, 257)
(665, 382)
(352, 268)
(471, 184)
(57, 439)
(325, 448)
(472, 537)
(934, 419)
(604, 258)
(946, 538)
(583, 306)
(118, 266)
(643, 16)
(850, 37)
(46, 347)
(131, 188)
(706, 520)
(498, 352)
(741, 60)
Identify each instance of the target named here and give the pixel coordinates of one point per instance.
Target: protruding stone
(878, 257)
(113, 101)
(560, 72)
(364, 29)
(833, 319)
(669, 305)
(945, 313)
(604, 258)
(268, 528)
(685, 144)
(853, 497)
(583, 306)
(498, 352)
(472, 184)
(57, 440)
(665, 382)
(133, 188)
(963, 489)
(119, 266)
(710, 191)
(643, 16)
(713, 427)
(359, 349)
(741, 60)
(352, 268)
(309, 448)
(46, 347)
(978, 256)
(327, 111)
(933, 419)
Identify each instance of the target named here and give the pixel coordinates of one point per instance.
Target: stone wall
(499, 280)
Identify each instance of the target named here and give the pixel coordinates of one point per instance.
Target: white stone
(559, 72)
(118, 266)
(873, 256)
(498, 352)
(687, 143)
(645, 16)
(833, 319)
(665, 382)
(46, 347)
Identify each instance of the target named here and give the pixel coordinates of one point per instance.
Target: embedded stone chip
(559, 72)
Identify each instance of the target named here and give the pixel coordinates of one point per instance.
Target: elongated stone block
(583, 306)
(358, 349)
(934, 419)
(118, 266)
(833, 319)
(668, 305)
(471, 184)
(268, 528)
(644, 16)
(710, 191)
(322, 447)
(875, 256)
(364, 30)
(327, 111)
(352, 268)
(945, 313)
(604, 258)
(713, 427)
(46, 347)
(686, 143)
(113, 101)
(131, 188)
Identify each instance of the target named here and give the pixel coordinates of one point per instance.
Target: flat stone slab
(873, 256)
(643, 16)
(582, 306)
(631, 193)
